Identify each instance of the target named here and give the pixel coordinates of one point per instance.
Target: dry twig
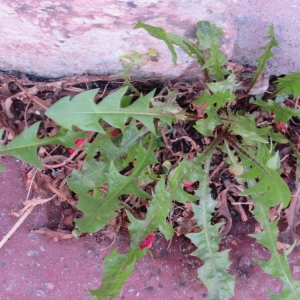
(23, 214)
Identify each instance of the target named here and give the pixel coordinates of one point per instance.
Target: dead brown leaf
(292, 213)
(223, 212)
(186, 226)
(282, 246)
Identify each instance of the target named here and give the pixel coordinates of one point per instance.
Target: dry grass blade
(23, 214)
(55, 235)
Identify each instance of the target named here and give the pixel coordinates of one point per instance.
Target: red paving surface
(33, 266)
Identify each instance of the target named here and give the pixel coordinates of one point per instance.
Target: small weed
(130, 163)
(134, 60)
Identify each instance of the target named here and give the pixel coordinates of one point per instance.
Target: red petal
(286, 180)
(188, 184)
(281, 126)
(115, 132)
(79, 142)
(89, 132)
(147, 242)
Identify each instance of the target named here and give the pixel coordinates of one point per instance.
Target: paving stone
(60, 38)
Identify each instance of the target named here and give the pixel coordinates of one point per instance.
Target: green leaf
(184, 172)
(277, 265)
(235, 167)
(247, 129)
(264, 57)
(274, 161)
(118, 267)
(224, 86)
(214, 64)
(93, 173)
(91, 149)
(222, 94)
(97, 212)
(84, 113)
(135, 59)
(290, 83)
(112, 152)
(146, 177)
(89, 178)
(278, 137)
(214, 271)
(283, 113)
(79, 111)
(129, 61)
(125, 101)
(164, 206)
(188, 171)
(209, 35)
(208, 125)
(188, 47)
(24, 146)
(218, 98)
(160, 34)
(270, 189)
(267, 192)
(172, 39)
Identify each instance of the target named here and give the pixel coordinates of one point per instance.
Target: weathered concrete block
(63, 37)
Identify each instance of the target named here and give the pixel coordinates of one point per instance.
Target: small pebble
(32, 253)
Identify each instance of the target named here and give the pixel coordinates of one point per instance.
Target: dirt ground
(34, 267)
